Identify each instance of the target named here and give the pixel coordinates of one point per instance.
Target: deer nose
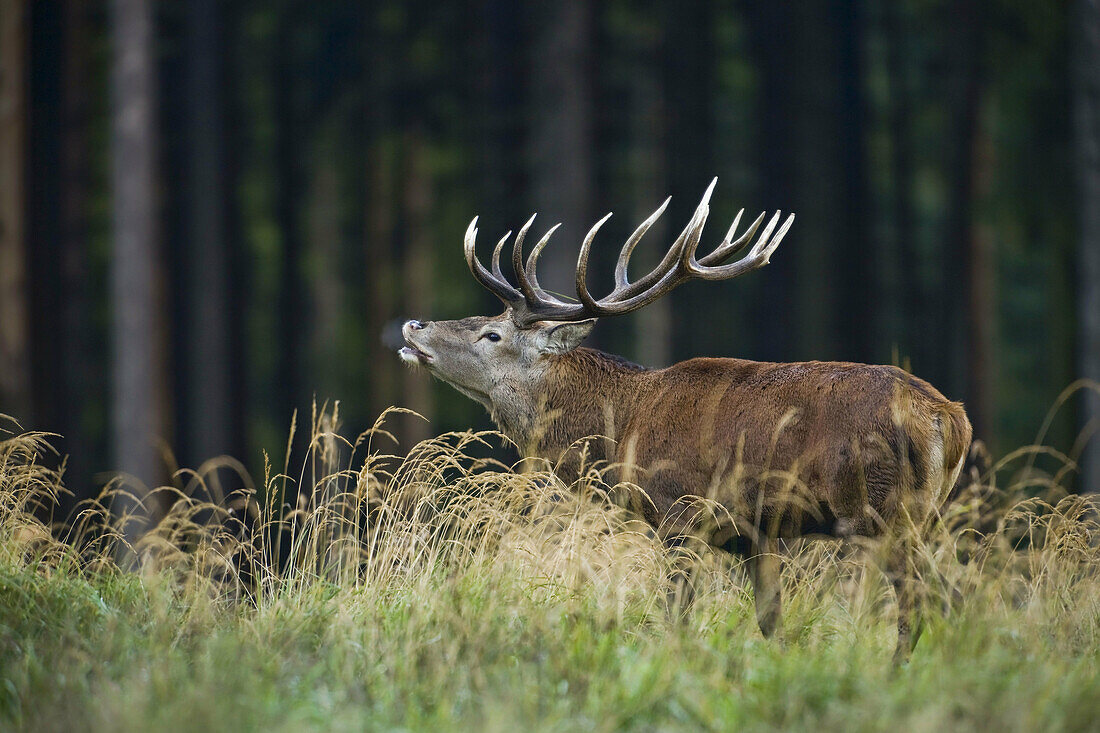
(415, 325)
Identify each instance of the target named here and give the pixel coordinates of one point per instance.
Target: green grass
(462, 596)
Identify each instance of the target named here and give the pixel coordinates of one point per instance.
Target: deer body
(709, 427)
(737, 453)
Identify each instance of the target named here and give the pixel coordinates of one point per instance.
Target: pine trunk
(78, 369)
(208, 428)
(1085, 72)
(417, 277)
(561, 137)
(15, 387)
(138, 394)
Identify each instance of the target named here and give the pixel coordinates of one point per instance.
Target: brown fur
(735, 452)
(854, 439)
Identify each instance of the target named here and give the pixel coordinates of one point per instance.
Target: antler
(529, 302)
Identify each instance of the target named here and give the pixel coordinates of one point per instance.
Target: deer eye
(492, 336)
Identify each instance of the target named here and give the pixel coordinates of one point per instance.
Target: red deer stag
(780, 450)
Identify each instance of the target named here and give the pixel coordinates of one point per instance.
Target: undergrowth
(441, 592)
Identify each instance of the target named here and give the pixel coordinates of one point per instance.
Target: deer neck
(576, 395)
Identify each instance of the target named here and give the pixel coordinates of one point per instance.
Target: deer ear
(562, 337)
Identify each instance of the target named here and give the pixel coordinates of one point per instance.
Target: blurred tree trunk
(855, 265)
(503, 124)
(910, 301)
(381, 283)
(966, 299)
(381, 363)
(289, 194)
(15, 385)
(502, 84)
(325, 284)
(981, 306)
(43, 210)
(688, 90)
(209, 427)
(649, 171)
(416, 389)
(77, 361)
(775, 57)
(819, 186)
(1085, 70)
(241, 277)
(56, 183)
(561, 142)
(139, 396)
(802, 146)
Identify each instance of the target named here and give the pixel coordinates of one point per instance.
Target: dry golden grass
(441, 591)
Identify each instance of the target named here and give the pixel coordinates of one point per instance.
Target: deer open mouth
(412, 355)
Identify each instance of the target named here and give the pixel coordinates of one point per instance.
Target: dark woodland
(213, 214)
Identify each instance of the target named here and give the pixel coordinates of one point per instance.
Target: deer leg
(899, 568)
(764, 571)
(681, 592)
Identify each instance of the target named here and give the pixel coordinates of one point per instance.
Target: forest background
(213, 212)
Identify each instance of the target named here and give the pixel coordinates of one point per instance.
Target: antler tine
(517, 262)
(621, 280)
(694, 231)
(729, 246)
(532, 263)
(666, 275)
(762, 243)
(498, 287)
(667, 282)
(582, 268)
(728, 239)
(497, 272)
(668, 262)
(767, 250)
(531, 303)
(538, 301)
(758, 256)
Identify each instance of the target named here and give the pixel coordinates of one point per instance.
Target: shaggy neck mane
(584, 392)
(591, 360)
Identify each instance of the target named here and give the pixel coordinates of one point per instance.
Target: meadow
(445, 591)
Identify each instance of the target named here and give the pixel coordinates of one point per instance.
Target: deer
(777, 451)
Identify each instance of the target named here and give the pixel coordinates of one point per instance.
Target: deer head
(504, 357)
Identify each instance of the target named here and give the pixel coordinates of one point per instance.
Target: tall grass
(359, 590)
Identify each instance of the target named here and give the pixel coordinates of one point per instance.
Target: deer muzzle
(412, 353)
